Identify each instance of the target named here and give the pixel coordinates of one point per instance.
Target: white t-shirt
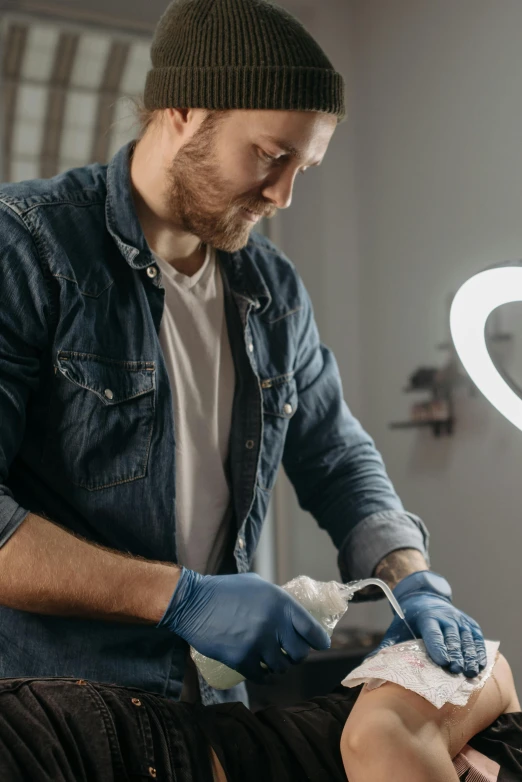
(194, 339)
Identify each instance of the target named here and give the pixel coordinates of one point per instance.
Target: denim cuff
(11, 516)
(375, 537)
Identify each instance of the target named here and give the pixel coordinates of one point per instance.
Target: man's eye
(269, 159)
(266, 157)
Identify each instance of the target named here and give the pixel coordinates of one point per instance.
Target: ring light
(471, 307)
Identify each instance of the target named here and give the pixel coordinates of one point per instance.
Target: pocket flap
(279, 397)
(112, 381)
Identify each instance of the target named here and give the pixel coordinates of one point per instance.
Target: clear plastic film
(327, 602)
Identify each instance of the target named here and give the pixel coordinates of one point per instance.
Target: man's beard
(196, 196)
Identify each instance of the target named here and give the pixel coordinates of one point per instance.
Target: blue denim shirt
(86, 423)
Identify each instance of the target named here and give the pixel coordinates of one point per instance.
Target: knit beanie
(239, 54)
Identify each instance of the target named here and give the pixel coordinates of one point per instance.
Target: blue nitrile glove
(242, 620)
(452, 638)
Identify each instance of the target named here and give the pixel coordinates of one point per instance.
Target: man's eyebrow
(287, 147)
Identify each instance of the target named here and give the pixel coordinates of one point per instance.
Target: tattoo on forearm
(400, 564)
(394, 567)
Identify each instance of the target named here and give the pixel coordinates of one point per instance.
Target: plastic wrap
(327, 601)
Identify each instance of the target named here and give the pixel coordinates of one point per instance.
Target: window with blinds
(65, 95)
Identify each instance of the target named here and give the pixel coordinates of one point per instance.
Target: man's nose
(279, 189)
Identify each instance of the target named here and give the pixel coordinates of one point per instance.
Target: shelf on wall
(445, 382)
(438, 425)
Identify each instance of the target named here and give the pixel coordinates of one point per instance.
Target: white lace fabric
(409, 665)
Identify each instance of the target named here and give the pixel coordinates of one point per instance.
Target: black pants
(70, 730)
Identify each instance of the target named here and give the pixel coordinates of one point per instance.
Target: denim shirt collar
(245, 279)
(120, 213)
(243, 275)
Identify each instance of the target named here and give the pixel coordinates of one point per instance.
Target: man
(158, 360)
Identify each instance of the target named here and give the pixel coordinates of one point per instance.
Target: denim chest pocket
(279, 405)
(101, 419)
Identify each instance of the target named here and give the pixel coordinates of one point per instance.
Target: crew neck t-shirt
(194, 340)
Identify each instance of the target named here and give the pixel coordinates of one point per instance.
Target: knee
(363, 736)
(398, 721)
(371, 742)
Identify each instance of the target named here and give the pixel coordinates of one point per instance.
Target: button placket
(248, 425)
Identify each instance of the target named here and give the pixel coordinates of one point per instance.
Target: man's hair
(144, 116)
(147, 117)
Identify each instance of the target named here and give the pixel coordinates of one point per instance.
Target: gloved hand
(453, 639)
(242, 620)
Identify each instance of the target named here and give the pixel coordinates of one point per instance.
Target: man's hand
(453, 639)
(243, 621)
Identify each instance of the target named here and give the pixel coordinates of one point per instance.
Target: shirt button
(249, 444)
(288, 409)
(152, 772)
(250, 347)
(241, 543)
(108, 393)
(136, 701)
(152, 271)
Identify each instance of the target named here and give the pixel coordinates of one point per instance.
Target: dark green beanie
(239, 54)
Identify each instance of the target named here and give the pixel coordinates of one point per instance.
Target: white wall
(420, 189)
(439, 184)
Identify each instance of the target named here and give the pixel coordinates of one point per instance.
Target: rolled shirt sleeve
(375, 537)
(11, 515)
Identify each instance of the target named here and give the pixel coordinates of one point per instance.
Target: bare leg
(217, 768)
(393, 734)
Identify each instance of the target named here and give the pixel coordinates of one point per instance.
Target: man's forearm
(48, 570)
(393, 568)
(399, 564)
